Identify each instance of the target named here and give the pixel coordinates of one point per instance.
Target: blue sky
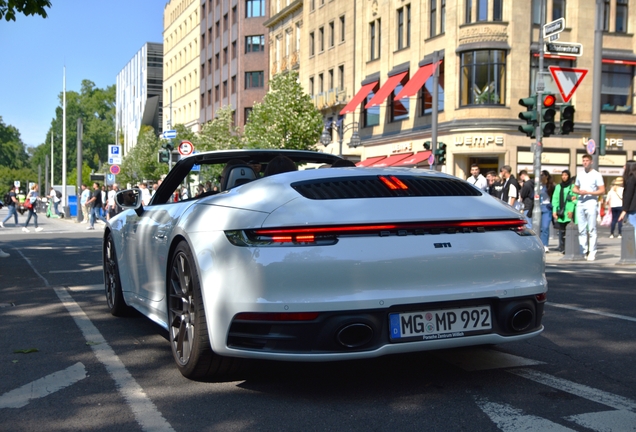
(95, 39)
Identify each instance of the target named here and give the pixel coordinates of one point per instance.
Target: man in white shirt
(84, 197)
(145, 193)
(589, 185)
(476, 179)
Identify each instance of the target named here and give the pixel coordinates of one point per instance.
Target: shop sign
(546, 158)
(609, 142)
(607, 160)
(479, 140)
(403, 147)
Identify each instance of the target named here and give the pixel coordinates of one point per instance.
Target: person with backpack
(55, 196)
(11, 201)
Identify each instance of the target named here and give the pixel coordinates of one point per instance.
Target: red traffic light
(549, 100)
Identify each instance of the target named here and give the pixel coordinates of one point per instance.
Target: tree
(141, 161)
(12, 149)
(220, 133)
(285, 119)
(9, 8)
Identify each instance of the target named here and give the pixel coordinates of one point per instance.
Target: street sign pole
(536, 166)
(596, 80)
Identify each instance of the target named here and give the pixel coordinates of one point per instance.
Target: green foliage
(12, 149)
(9, 8)
(220, 133)
(285, 119)
(71, 178)
(141, 163)
(9, 175)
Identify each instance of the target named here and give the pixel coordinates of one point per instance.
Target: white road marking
(43, 387)
(145, 412)
(606, 421)
(510, 419)
(476, 359)
(592, 311)
(580, 390)
(87, 269)
(80, 288)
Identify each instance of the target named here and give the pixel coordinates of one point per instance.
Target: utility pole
(64, 201)
(80, 133)
(597, 82)
(52, 161)
(538, 146)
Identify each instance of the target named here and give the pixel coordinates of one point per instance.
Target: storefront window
(483, 77)
(426, 94)
(371, 115)
(616, 88)
(399, 108)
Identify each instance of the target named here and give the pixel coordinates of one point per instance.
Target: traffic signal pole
(597, 82)
(538, 146)
(434, 108)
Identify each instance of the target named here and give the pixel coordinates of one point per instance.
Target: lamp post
(325, 138)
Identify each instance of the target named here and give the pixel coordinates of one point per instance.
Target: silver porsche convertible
(320, 264)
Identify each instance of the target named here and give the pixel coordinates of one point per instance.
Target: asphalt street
(67, 365)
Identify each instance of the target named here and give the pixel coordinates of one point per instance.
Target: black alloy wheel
(112, 282)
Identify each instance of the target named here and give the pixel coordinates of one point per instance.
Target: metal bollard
(628, 246)
(572, 246)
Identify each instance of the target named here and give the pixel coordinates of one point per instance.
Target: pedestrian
(55, 200)
(95, 204)
(510, 188)
(589, 186)
(629, 194)
(12, 206)
(103, 210)
(476, 179)
(615, 202)
(84, 197)
(527, 195)
(494, 184)
(145, 194)
(563, 206)
(32, 198)
(112, 207)
(545, 198)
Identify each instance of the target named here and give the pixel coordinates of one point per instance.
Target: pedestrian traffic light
(566, 119)
(530, 116)
(548, 113)
(440, 154)
(427, 145)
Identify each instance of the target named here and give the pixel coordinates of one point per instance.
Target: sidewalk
(49, 225)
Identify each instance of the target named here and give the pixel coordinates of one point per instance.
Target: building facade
(139, 95)
(234, 60)
(181, 23)
(485, 53)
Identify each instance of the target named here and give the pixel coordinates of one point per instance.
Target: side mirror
(129, 199)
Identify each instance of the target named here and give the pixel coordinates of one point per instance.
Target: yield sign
(567, 79)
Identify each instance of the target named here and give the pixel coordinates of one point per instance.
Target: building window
(321, 83)
(372, 115)
(209, 67)
(399, 108)
(217, 62)
(216, 93)
(621, 16)
(202, 40)
(469, 11)
(246, 114)
(433, 19)
(254, 79)
(321, 39)
(332, 34)
(558, 9)
(342, 28)
(616, 88)
(404, 27)
(217, 28)
(233, 89)
(209, 97)
(536, 12)
(442, 17)
(311, 86)
(497, 10)
(483, 77)
(224, 56)
(341, 77)
(375, 39)
(482, 10)
(234, 15)
(606, 15)
(330, 78)
(426, 93)
(234, 49)
(312, 44)
(224, 89)
(203, 69)
(225, 22)
(254, 43)
(254, 8)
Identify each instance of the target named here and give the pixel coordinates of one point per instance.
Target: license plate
(440, 324)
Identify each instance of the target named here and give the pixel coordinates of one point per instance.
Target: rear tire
(188, 329)
(112, 283)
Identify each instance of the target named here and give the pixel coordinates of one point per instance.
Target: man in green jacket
(564, 206)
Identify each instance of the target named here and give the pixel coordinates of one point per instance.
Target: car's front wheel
(112, 283)
(187, 325)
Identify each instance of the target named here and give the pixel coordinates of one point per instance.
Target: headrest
(236, 176)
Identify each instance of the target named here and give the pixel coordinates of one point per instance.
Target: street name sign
(554, 27)
(567, 80)
(169, 134)
(564, 48)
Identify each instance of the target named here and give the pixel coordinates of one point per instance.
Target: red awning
(370, 161)
(417, 81)
(414, 160)
(391, 160)
(386, 90)
(625, 62)
(359, 97)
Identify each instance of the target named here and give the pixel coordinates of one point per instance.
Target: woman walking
(33, 198)
(546, 193)
(615, 202)
(629, 194)
(563, 206)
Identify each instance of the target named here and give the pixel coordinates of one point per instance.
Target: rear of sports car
(364, 263)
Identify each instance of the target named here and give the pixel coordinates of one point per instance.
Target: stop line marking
(43, 387)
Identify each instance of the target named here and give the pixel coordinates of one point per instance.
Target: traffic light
(440, 154)
(548, 113)
(427, 145)
(566, 119)
(530, 116)
(164, 156)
